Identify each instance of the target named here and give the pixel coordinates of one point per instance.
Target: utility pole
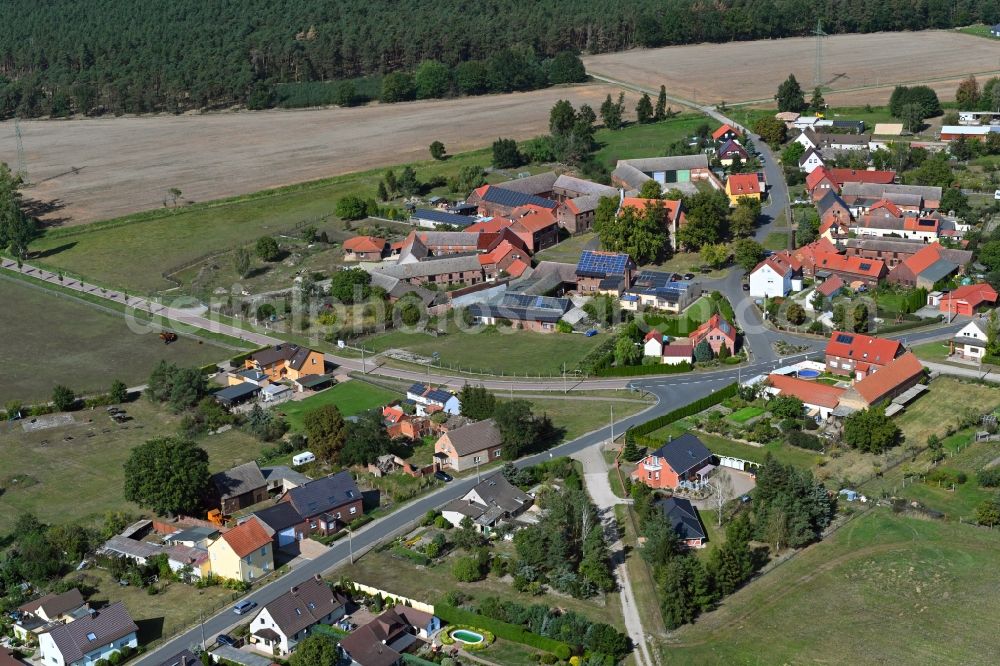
(350, 543)
(478, 479)
(363, 371)
(202, 615)
(564, 378)
(818, 73)
(612, 424)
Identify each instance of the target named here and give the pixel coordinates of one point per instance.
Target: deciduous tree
(267, 249)
(326, 432)
(437, 150)
(167, 475)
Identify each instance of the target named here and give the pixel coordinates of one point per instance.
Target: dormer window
(91, 636)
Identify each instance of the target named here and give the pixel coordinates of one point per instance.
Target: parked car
(244, 607)
(689, 276)
(226, 639)
(996, 195)
(442, 476)
(746, 286)
(591, 333)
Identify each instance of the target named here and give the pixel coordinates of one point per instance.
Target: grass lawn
(745, 414)
(494, 350)
(81, 478)
(890, 590)
(932, 351)
(777, 241)
(932, 412)
(351, 398)
(568, 251)
(64, 341)
(635, 141)
(176, 606)
(977, 29)
(393, 574)
(578, 417)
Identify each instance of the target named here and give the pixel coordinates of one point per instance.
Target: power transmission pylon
(818, 73)
(22, 169)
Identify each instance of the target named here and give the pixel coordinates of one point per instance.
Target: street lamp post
(350, 543)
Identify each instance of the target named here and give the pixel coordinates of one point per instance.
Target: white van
(303, 458)
(996, 195)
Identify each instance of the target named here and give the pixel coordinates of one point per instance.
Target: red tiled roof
(743, 183)
(247, 537)
(492, 226)
(831, 286)
(653, 335)
(887, 205)
(722, 130)
(787, 257)
(715, 322)
(365, 244)
(923, 258)
(877, 384)
(860, 347)
(811, 393)
(807, 253)
(814, 178)
(921, 224)
(678, 351)
(841, 176)
(973, 294)
(517, 268)
(871, 268)
(533, 218)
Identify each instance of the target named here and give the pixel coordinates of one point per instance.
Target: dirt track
(128, 164)
(744, 71)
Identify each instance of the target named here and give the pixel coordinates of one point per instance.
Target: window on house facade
(263, 551)
(354, 510)
(496, 454)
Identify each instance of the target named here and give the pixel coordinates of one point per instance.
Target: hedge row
(636, 370)
(209, 369)
(239, 359)
(906, 325)
(510, 632)
(698, 405)
(413, 555)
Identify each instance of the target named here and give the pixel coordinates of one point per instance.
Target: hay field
(858, 69)
(100, 168)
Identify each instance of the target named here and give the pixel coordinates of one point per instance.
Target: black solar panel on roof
(600, 263)
(512, 199)
(866, 267)
(926, 223)
(844, 338)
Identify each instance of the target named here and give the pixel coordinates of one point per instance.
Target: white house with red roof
(652, 345)
(772, 277)
(817, 398)
(857, 355)
(725, 133)
(660, 346)
(365, 248)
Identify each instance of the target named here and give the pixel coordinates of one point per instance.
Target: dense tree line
(108, 56)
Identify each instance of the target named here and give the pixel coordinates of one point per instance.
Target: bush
(505, 630)
(413, 555)
(804, 440)
(989, 478)
(943, 476)
(467, 570)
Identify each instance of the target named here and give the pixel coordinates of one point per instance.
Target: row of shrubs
(510, 632)
(693, 408)
(413, 555)
(488, 637)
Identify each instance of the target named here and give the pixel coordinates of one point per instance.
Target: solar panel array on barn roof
(601, 264)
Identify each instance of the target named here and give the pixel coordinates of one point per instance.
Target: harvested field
(101, 168)
(873, 62)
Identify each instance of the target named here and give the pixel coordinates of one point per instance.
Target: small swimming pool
(466, 636)
(808, 374)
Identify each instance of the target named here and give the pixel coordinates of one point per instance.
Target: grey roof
(880, 190)
(55, 605)
(441, 217)
(414, 249)
(397, 288)
(629, 175)
(587, 202)
(497, 490)
(673, 163)
(447, 264)
(475, 437)
(279, 517)
(131, 547)
(324, 494)
(584, 187)
(683, 453)
(683, 517)
(939, 270)
(90, 632)
(898, 245)
(879, 221)
(303, 606)
(183, 658)
(805, 156)
(461, 238)
(829, 200)
(514, 313)
(276, 472)
(511, 199)
(537, 184)
(848, 139)
(972, 342)
(239, 480)
(238, 392)
(194, 534)
(294, 354)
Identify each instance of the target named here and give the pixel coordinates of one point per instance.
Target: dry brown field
(858, 69)
(107, 167)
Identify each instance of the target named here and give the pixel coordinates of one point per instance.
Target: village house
(488, 504)
(774, 277)
(818, 399)
(892, 251)
(469, 446)
(724, 133)
(679, 171)
(672, 213)
(680, 462)
(857, 355)
(660, 291)
(383, 641)
(717, 332)
(880, 387)
(810, 161)
(40, 615)
(524, 311)
(806, 256)
(442, 271)
(833, 209)
(536, 226)
(684, 520)
(577, 215)
(968, 299)
(730, 151)
(283, 523)
(365, 248)
(603, 271)
(970, 341)
(327, 504)
(94, 636)
(852, 270)
(828, 289)
(433, 218)
(284, 622)
(429, 399)
(931, 264)
(740, 185)
(420, 245)
(503, 198)
(244, 553)
(287, 361)
(239, 487)
(504, 260)
(566, 188)
(657, 345)
(861, 196)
